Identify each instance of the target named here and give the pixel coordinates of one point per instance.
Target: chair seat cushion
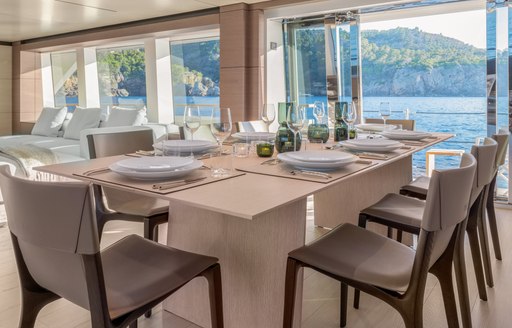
(399, 209)
(138, 271)
(357, 254)
(143, 206)
(418, 186)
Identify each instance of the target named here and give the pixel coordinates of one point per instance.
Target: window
(195, 72)
(122, 76)
(64, 79)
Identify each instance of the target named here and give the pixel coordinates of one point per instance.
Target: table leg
(252, 256)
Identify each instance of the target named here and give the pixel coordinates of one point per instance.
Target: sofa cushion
(50, 121)
(125, 117)
(83, 118)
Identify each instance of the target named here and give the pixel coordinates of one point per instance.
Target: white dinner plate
(405, 135)
(376, 145)
(285, 158)
(319, 156)
(179, 172)
(375, 127)
(254, 136)
(194, 145)
(154, 164)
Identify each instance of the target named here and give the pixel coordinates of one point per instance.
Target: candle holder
(265, 149)
(318, 133)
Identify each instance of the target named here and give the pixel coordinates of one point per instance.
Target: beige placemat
(284, 171)
(147, 185)
(380, 156)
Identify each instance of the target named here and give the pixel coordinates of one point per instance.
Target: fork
(272, 161)
(96, 171)
(313, 173)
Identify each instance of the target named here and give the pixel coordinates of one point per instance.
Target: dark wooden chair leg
(133, 324)
(213, 277)
(292, 269)
(343, 304)
(357, 293)
(484, 246)
(390, 232)
(475, 254)
(399, 234)
(491, 216)
(461, 279)
(443, 272)
(31, 304)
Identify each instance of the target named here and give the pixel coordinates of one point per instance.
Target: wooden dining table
(251, 222)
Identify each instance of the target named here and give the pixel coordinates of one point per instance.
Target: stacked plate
(376, 145)
(318, 160)
(151, 168)
(186, 146)
(254, 136)
(405, 135)
(375, 127)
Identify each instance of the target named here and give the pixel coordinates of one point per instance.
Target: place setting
(374, 148)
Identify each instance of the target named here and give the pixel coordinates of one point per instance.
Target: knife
(177, 183)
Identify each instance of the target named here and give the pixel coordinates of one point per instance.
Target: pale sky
(468, 26)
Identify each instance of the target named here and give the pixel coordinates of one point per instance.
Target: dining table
(251, 220)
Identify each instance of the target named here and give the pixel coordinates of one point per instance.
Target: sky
(468, 27)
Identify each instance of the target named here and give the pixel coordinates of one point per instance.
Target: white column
(158, 81)
(80, 69)
(47, 80)
(275, 77)
(92, 91)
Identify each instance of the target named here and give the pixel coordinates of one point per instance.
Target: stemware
(319, 112)
(268, 114)
(384, 111)
(295, 119)
(221, 125)
(192, 119)
(350, 115)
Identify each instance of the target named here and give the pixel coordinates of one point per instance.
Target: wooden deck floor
(321, 299)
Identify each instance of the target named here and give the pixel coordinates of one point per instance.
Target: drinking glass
(220, 126)
(268, 114)
(295, 119)
(319, 112)
(384, 110)
(192, 119)
(350, 115)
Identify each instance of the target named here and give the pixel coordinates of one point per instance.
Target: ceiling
(28, 19)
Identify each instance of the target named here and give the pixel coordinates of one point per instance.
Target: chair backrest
(251, 126)
(446, 206)
(406, 124)
(485, 155)
(110, 144)
(502, 140)
(52, 224)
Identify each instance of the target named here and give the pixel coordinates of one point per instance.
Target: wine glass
(192, 119)
(384, 111)
(220, 126)
(350, 115)
(295, 119)
(268, 114)
(319, 112)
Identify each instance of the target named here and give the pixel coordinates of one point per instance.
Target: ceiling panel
(27, 19)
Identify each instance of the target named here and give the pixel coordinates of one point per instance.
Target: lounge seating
(406, 124)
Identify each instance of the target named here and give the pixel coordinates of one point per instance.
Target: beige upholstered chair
(406, 124)
(55, 242)
(387, 269)
(122, 205)
(502, 140)
(405, 214)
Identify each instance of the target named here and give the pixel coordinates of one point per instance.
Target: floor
(321, 299)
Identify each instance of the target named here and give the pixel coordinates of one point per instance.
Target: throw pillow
(125, 117)
(50, 121)
(83, 118)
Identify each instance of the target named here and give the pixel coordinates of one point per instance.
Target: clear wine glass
(384, 111)
(221, 125)
(350, 115)
(192, 119)
(295, 119)
(268, 114)
(319, 112)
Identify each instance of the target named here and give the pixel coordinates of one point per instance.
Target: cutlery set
(177, 183)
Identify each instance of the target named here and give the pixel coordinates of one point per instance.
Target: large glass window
(122, 76)
(195, 73)
(65, 79)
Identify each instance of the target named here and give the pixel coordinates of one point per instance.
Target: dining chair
(405, 214)
(56, 246)
(406, 124)
(385, 268)
(502, 140)
(251, 126)
(114, 204)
